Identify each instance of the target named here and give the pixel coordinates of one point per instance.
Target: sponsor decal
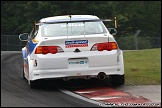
(76, 43)
(78, 62)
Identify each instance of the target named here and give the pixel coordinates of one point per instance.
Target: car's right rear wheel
(117, 80)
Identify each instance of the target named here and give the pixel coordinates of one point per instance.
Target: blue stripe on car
(31, 46)
(24, 53)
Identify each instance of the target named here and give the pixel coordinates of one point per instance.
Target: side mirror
(112, 31)
(24, 37)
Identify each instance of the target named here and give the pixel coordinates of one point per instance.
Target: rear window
(74, 28)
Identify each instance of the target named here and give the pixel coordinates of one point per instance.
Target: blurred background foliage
(19, 16)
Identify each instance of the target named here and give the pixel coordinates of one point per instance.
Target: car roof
(68, 18)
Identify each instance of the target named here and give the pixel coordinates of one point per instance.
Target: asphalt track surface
(15, 91)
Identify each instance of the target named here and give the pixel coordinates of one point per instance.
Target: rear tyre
(23, 74)
(117, 80)
(34, 84)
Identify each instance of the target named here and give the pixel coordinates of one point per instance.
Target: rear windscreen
(73, 28)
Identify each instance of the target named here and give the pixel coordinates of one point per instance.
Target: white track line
(85, 92)
(79, 97)
(103, 98)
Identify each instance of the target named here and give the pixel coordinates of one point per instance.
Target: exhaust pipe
(101, 76)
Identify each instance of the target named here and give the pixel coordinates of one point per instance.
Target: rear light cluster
(104, 46)
(48, 49)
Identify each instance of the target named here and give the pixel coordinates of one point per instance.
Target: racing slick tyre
(34, 84)
(117, 80)
(23, 74)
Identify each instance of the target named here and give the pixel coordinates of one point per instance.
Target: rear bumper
(58, 66)
(78, 72)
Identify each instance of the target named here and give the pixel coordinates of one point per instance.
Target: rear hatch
(69, 44)
(86, 58)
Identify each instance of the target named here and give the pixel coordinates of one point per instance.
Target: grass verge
(142, 67)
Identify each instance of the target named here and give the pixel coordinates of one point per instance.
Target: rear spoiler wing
(115, 22)
(104, 20)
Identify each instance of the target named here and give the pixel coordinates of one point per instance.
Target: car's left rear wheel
(23, 73)
(34, 84)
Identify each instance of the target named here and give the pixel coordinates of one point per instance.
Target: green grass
(142, 67)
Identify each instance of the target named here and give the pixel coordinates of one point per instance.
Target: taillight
(108, 46)
(104, 46)
(100, 47)
(52, 49)
(48, 49)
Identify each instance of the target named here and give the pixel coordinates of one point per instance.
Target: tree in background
(19, 16)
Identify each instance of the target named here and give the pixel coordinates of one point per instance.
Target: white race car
(71, 47)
